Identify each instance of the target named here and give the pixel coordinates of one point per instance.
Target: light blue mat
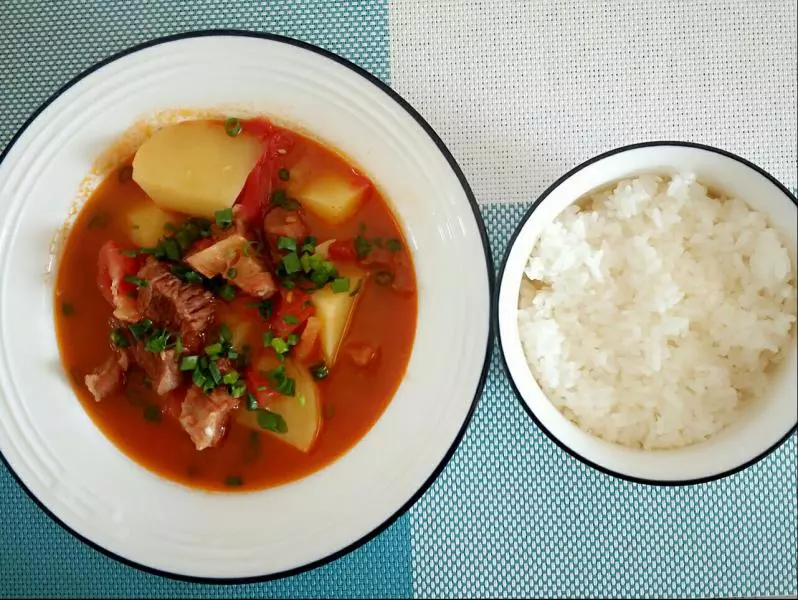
(512, 514)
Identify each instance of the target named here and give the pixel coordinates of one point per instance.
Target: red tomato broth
(352, 397)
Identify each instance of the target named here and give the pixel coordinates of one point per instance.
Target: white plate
(759, 430)
(89, 486)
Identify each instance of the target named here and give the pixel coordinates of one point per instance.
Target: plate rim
(506, 367)
(489, 266)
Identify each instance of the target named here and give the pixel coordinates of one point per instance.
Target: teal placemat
(512, 515)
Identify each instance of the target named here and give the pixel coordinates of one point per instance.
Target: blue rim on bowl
(502, 282)
(490, 277)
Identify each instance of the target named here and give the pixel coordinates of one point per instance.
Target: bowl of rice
(646, 313)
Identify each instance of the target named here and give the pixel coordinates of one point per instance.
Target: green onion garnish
(227, 292)
(189, 363)
(118, 338)
(224, 217)
(232, 126)
(290, 320)
(286, 243)
(283, 175)
(232, 273)
(319, 371)
(137, 281)
(340, 285)
(271, 421)
(291, 263)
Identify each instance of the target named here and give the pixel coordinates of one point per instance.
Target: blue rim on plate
(495, 315)
(488, 263)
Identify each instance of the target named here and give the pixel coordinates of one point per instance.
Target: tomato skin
(308, 340)
(259, 386)
(112, 268)
(295, 303)
(342, 250)
(261, 181)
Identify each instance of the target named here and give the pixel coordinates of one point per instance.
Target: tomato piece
(308, 340)
(342, 250)
(112, 268)
(261, 180)
(293, 309)
(257, 189)
(259, 127)
(259, 386)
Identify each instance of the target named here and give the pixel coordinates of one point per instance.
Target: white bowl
(757, 432)
(89, 486)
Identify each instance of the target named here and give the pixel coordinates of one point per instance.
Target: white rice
(653, 315)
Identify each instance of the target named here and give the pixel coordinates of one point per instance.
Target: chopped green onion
(279, 345)
(118, 338)
(199, 379)
(271, 421)
(238, 389)
(215, 373)
(286, 243)
(291, 263)
(233, 480)
(140, 329)
(224, 218)
(252, 402)
(310, 245)
(232, 126)
(290, 320)
(213, 350)
(267, 338)
(283, 175)
(137, 281)
(189, 363)
(171, 248)
(319, 371)
(186, 274)
(129, 253)
(179, 345)
(227, 292)
(232, 273)
(230, 377)
(225, 333)
(362, 247)
(292, 339)
(340, 285)
(158, 341)
(300, 399)
(249, 248)
(264, 308)
(67, 309)
(393, 245)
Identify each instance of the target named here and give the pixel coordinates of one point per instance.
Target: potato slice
(146, 224)
(302, 412)
(333, 197)
(335, 310)
(194, 167)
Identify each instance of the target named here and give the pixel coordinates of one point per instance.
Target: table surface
(520, 92)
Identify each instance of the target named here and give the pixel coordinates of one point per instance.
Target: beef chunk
(175, 305)
(205, 418)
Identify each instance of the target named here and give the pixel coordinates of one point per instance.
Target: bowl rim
(490, 268)
(500, 280)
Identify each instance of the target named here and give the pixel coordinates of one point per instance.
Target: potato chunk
(333, 197)
(194, 167)
(146, 223)
(301, 412)
(335, 310)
